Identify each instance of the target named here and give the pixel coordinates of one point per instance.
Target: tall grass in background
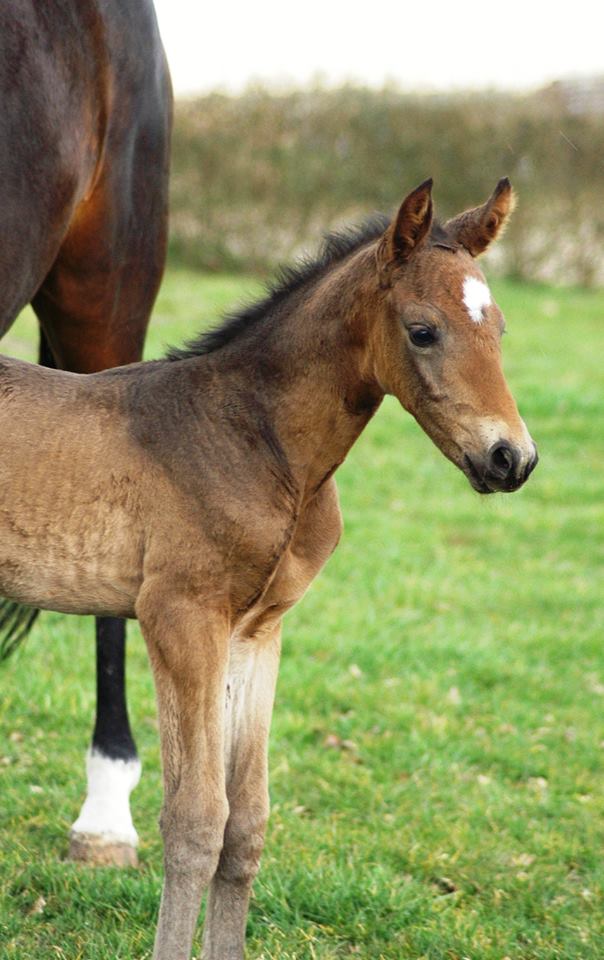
(257, 178)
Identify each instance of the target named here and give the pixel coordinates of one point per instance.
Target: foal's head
(438, 347)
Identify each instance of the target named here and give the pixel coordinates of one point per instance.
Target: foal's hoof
(88, 848)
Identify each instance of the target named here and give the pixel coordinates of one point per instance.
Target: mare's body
(84, 159)
(196, 493)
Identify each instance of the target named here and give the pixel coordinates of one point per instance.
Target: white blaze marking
(106, 810)
(477, 297)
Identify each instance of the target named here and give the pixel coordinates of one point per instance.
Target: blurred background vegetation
(258, 178)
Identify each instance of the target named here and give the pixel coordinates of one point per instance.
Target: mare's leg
(250, 693)
(93, 308)
(188, 649)
(104, 832)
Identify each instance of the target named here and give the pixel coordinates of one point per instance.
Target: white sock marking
(106, 810)
(477, 297)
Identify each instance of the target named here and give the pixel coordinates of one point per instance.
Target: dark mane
(335, 248)
(290, 279)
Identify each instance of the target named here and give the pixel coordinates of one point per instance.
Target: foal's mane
(335, 248)
(290, 279)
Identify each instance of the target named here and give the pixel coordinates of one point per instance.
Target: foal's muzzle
(503, 468)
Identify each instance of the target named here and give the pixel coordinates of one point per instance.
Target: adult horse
(196, 493)
(84, 159)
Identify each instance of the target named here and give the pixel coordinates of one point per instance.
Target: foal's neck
(312, 361)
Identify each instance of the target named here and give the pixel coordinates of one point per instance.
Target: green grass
(438, 741)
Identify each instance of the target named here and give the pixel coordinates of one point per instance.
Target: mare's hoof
(88, 848)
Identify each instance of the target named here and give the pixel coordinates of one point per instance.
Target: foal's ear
(476, 229)
(410, 227)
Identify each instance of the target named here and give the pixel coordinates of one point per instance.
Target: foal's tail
(16, 620)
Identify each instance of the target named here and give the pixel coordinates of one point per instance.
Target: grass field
(438, 743)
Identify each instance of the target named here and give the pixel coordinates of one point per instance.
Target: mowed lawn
(437, 755)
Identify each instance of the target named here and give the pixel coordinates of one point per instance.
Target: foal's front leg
(250, 694)
(188, 649)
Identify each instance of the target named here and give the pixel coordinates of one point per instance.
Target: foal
(196, 494)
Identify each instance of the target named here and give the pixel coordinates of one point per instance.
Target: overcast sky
(457, 44)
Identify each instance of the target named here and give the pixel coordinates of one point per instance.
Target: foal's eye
(422, 336)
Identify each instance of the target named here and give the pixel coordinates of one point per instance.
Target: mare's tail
(16, 620)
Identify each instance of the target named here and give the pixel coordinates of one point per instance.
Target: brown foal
(196, 494)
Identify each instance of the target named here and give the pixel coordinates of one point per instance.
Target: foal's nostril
(501, 460)
(530, 466)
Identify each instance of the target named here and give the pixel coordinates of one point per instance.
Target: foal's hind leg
(250, 694)
(188, 649)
